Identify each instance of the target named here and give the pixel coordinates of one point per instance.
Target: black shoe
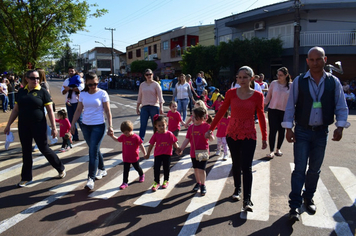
(196, 187)
(310, 206)
(293, 214)
(247, 206)
(202, 190)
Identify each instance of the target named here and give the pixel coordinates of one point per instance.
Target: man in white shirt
(73, 101)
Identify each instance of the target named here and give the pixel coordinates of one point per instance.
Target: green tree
(140, 66)
(67, 59)
(204, 58)
(31, 29)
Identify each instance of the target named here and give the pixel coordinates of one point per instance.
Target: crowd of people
(300, 110)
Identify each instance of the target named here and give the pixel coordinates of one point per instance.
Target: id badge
(316, 104)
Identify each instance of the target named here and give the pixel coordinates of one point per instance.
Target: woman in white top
(3, 94)
(93, 102)
(277, 98)
(182, 92)
(150, 99)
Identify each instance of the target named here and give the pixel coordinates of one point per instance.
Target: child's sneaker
(142, 178)
(123, 185)
(63, 150)
(225, 157)
(155, 186)
(202, 190)
(165, 184)
(196, 187)
(217, 152)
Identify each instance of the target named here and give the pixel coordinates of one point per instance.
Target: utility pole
(112, 49)
(296, 37)
(80, 56)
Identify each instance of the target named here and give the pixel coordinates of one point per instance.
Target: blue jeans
(146, 112)
(71, 110)
(93, 135)
(309, 145)
(5, 102)
(182, 107)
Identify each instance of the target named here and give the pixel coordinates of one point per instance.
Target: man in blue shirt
(315, 98)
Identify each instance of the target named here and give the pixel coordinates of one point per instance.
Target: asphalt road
(51, 206)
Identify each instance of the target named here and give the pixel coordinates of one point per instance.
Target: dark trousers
(38, 132)
(275, 118)
(66, 143)
(166, 160)
(242, 152)
(11, 97)
(127, 166)
(71, 110)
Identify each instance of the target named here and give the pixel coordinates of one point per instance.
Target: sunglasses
(91, 85)
(34, 78)
(148, 74)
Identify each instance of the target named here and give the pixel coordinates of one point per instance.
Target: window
(149, 50)
(225, 38)
(130, 55)
(248, 35)
(104, 63)
(285, 32)
(193, 41)
(138, 52)
(155, 48)
(165, 45)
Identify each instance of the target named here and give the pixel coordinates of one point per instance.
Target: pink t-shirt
(277, 96)
(222, 126)
(64, 126)
(200, 142)
(130, 147)
(174, 120)
(217, 104)
(163, 143)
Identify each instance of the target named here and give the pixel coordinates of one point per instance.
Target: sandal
(278, 153)
(270, 155)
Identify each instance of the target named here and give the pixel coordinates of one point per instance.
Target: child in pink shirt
(217, 104)
(64, 130)
(196, 137)
(174, 119)
(164, 140)
(221, 135)
(131, 143)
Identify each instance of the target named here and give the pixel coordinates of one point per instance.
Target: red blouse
(242, 122)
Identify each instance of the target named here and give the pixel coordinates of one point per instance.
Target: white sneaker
(256, 121)
(101, 174)
(217, 152)
(225, 157)
(90, 184)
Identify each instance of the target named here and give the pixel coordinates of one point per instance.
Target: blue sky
(135, 20)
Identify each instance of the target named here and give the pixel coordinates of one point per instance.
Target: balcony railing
(322, 38)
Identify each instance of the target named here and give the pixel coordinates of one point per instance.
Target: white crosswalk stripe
(327, 215)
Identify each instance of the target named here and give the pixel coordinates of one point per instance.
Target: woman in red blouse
(241, 131)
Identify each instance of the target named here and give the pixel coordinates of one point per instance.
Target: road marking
(347, 181)
(37, 162)
(113, 105)
(260, 192)
(151, 132)
(113, 186)
(2, 148)
(199, 205)
(59, 190)
(178, 171)
(327, 214)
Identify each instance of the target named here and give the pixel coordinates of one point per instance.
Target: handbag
(200, 155)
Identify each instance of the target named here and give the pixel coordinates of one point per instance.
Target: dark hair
(126, 126)
(227, 113)
(30, 72)
(71, 67)
(171, 103)
(89, 76)
(158, 119)
(284, 70)
(62, 113)
(200, 112)
(209, 119)
(217, 90)
(220, 96)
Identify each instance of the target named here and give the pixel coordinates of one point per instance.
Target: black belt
(315, 128)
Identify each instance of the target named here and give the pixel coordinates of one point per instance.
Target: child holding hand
(64, 130)
(174, 119)
(131, 143)
(163, 140)
(196, 137)
(221, 135)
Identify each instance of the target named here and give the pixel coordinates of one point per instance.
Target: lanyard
(316, 91)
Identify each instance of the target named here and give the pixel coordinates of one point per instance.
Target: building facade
(328, 23)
